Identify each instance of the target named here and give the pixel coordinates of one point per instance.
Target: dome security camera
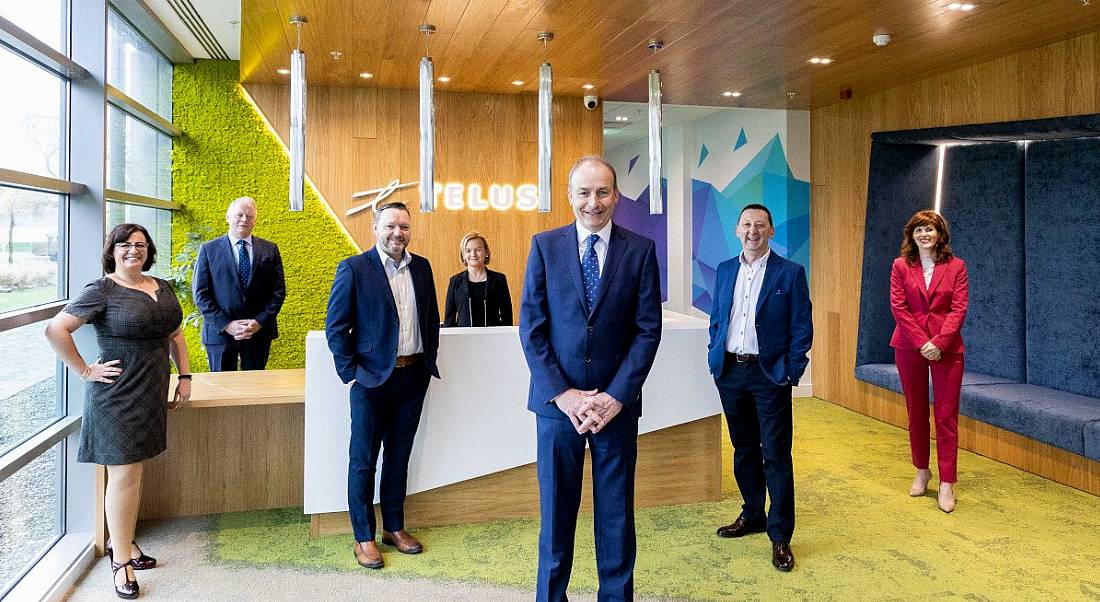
(881, 39)
(591, 101)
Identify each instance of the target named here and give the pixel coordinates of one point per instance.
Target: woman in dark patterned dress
(137, 324)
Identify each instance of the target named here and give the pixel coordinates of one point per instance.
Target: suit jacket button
(588, 360)
(591, 328)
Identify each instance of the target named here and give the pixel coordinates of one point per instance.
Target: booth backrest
(1062, 184)
(901, 182)
(983, 200)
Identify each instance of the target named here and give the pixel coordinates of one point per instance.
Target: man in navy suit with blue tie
(590, 324)
(383, 330)
(760, 333)
(238, 287)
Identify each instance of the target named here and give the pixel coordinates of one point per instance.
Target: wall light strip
(941, 151)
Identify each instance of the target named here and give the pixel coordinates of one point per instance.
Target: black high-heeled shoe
(128, 590)
(141, 562)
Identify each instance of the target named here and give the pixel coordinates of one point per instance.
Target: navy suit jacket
(784, 325)
(610, 350)
(218, 295)
(362, 323)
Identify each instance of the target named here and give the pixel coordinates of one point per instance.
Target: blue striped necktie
(590, 271)
(244, 264)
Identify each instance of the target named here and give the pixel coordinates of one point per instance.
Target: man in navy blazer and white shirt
(590, 324)
(238, 287)
(760, 332)
(382, 327)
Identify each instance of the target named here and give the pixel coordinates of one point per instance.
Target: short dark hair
(598, 160)
(761, 208)
(392, 205)
(122, 233)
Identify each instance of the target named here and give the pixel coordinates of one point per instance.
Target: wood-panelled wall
(1062, 78)
(362, 138)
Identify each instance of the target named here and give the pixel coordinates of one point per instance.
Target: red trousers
(947, 376)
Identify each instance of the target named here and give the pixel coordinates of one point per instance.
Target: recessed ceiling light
(731, 94)
(963, 6)
(518, 82)
(366, 75)
(283, 71)
(820, 61)
(588, 86)
(622, 118)
(444, 78)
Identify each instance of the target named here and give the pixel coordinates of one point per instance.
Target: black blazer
(217, 291)
(498, 302)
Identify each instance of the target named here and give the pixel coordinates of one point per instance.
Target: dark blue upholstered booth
(1026, 218)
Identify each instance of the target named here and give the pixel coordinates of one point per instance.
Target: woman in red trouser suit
(928, 297)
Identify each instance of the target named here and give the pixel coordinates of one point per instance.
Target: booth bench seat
(1058, 418)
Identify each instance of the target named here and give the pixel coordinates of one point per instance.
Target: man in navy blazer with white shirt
(590, 324)
(760, 332)
(239, 288)
(382, 327)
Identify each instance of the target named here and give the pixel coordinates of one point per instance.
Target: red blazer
(933, 313)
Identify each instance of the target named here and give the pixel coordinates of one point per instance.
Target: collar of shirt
(233, 241)
(386, 259)
(762, 260)
(583, 233)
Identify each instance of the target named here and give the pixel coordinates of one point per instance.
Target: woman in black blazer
(477, 296)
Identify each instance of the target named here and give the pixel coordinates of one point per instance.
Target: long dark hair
(942, 252)
(121, 233)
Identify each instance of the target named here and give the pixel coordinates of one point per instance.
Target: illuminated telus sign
(455, 196)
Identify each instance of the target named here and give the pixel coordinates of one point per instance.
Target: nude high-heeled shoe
(920, 483)
(946, 499)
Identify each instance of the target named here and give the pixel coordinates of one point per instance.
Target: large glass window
(157, 221)
(31, 117)
(139, 158)
(29, 396)
(30, 521)
(43, 19)
(137, 68)
(30, 247)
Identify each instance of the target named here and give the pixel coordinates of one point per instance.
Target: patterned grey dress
(126, 422)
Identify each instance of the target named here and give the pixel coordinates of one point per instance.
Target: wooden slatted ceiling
(757, 47)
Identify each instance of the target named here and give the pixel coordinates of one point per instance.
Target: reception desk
(474, 454)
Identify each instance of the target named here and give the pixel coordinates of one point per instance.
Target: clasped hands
(589, 411)
(242, 329)
(931, 352)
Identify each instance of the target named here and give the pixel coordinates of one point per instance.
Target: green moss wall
(226, 151)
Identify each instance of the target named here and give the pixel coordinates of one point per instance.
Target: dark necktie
(590, 271)
(244, 264)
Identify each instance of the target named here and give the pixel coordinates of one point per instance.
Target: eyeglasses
(140, 246)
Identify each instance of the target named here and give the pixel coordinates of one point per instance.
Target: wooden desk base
(677, 465)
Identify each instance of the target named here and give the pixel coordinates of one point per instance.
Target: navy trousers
(253, 355)
(560, 470)
(383, 416)
(758, 413)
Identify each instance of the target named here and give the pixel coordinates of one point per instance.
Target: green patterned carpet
(1014, 536)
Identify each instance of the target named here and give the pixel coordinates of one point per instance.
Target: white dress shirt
(601, 244)
(401, 284)
(741, 337)
(247, 245)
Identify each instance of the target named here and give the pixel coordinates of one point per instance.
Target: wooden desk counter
(237, 447)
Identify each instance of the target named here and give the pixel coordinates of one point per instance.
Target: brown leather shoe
(782, 557)
(405, 543)
(368, 555)
(740, 528)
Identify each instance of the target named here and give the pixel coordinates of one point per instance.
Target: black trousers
(758, 413)
(253, 354)
(383, 416)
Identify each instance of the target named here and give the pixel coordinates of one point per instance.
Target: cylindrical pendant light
(656, 202)
(427, 126)
(546, 108)
(297, 120)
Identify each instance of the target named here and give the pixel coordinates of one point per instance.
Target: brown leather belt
(407, 360)
(745, 358)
